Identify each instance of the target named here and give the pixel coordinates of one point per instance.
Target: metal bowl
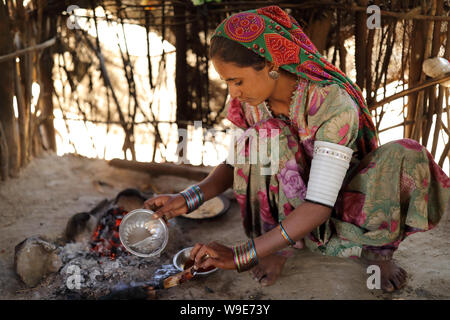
(180, 259)
(142, 235)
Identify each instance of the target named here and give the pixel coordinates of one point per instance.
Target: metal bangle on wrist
(194, 197)
(245, 256)
(285, 235)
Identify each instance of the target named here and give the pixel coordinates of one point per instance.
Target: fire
(105, 239)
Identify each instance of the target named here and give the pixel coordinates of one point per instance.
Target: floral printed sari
(388, 194)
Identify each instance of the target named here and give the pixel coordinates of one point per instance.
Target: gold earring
(274, 74)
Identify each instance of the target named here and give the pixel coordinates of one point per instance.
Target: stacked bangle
(194, 197)
(245, 256)
(285, 235)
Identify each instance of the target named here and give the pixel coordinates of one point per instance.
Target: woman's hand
(167, 205)
(212, 254)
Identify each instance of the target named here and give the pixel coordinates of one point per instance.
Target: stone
(35, 258)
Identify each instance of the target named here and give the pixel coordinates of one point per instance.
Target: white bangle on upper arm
(328, 169)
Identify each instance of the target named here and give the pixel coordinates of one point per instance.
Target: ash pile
(88, 261)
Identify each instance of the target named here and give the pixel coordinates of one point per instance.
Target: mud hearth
(89, 261)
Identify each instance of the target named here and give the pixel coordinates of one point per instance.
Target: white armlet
(328, 169)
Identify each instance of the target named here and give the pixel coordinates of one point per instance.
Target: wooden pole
(436, 45)
(181, 73)
(421, 103)
(23, 81)
(368, 62)
(415, 71)
(319, 30)
(446, 152)
(46, 95)
(360, 45)
(440, 100)
(22, 118)
(9, 152)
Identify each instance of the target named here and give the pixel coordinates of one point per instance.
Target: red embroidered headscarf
(275, 35)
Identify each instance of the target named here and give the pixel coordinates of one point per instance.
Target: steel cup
(142, 235)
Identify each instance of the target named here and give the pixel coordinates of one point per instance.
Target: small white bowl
(182, 256)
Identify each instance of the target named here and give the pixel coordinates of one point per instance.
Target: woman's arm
(172, 205)
(218, 181)
(299, 223)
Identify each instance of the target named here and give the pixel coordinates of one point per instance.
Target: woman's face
(246, 83)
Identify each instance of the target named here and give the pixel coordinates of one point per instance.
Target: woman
(335, 191)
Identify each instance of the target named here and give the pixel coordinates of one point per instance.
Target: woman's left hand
(213, 254)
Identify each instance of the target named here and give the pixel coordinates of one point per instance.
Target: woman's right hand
(167, 205)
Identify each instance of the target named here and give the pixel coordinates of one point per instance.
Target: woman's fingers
(195, 250)
(173, 206)
(157, 202)
(169, 215)
(203, 253)
(213, 254)
(166, 210)
(211, 262)
(162, 213)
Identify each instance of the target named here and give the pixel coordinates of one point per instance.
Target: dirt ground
(51, 189)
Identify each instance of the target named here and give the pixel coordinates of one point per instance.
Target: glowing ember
(105, 239)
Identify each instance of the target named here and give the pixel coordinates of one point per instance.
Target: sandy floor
(51, 189)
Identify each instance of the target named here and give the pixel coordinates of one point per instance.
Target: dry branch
(21, 52)
(423, 85)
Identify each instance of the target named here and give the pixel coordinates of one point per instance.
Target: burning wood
(106, 239)
(179, 278)
(148, 291)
